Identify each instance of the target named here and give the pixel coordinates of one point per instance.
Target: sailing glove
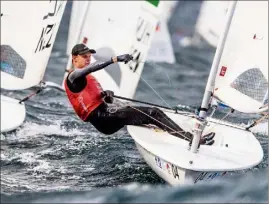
(124, 58)
(108, 96)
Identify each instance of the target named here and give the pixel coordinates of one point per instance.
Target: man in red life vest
(90, 101)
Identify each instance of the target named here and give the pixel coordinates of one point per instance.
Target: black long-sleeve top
(76, 80)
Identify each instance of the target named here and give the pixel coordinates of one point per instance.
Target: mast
(211, 79)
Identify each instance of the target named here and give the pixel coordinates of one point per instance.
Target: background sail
(242, 78)
(122, 27)
(211, 20)
(27, 37)
(161, 49)
(76, 19)
(168, 7)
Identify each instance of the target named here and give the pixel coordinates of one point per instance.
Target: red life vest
(88, 99)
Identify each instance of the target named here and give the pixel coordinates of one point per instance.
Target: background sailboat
(26, 44)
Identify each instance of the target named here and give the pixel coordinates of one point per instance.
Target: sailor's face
(81, 61)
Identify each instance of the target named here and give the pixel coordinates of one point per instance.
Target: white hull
(234, 149)
(12, 114)
(174, 175)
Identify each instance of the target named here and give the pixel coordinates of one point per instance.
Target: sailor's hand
(108, 96)
(124, 58)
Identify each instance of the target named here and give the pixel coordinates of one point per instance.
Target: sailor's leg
(137, 115)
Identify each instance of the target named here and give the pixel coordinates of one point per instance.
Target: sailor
(90, 101)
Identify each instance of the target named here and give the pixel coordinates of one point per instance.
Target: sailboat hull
(234, 149)
(12, 113)
(173, 174)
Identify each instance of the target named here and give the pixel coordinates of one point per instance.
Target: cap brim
(92, 51)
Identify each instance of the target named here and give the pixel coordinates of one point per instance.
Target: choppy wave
(54, 157)
(249, 188)
(261, 128)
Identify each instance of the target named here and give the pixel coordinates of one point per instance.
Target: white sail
(27, 37)
(121, 27)
(168, 8)
(211, 19)
(76, 19)
(242, 79)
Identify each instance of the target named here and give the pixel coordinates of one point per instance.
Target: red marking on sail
(223, 71)
(85, 40)
(257, 38)
(158, 27)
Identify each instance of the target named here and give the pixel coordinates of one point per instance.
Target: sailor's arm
(81, 73)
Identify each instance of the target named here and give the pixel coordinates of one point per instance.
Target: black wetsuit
(109, 122)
